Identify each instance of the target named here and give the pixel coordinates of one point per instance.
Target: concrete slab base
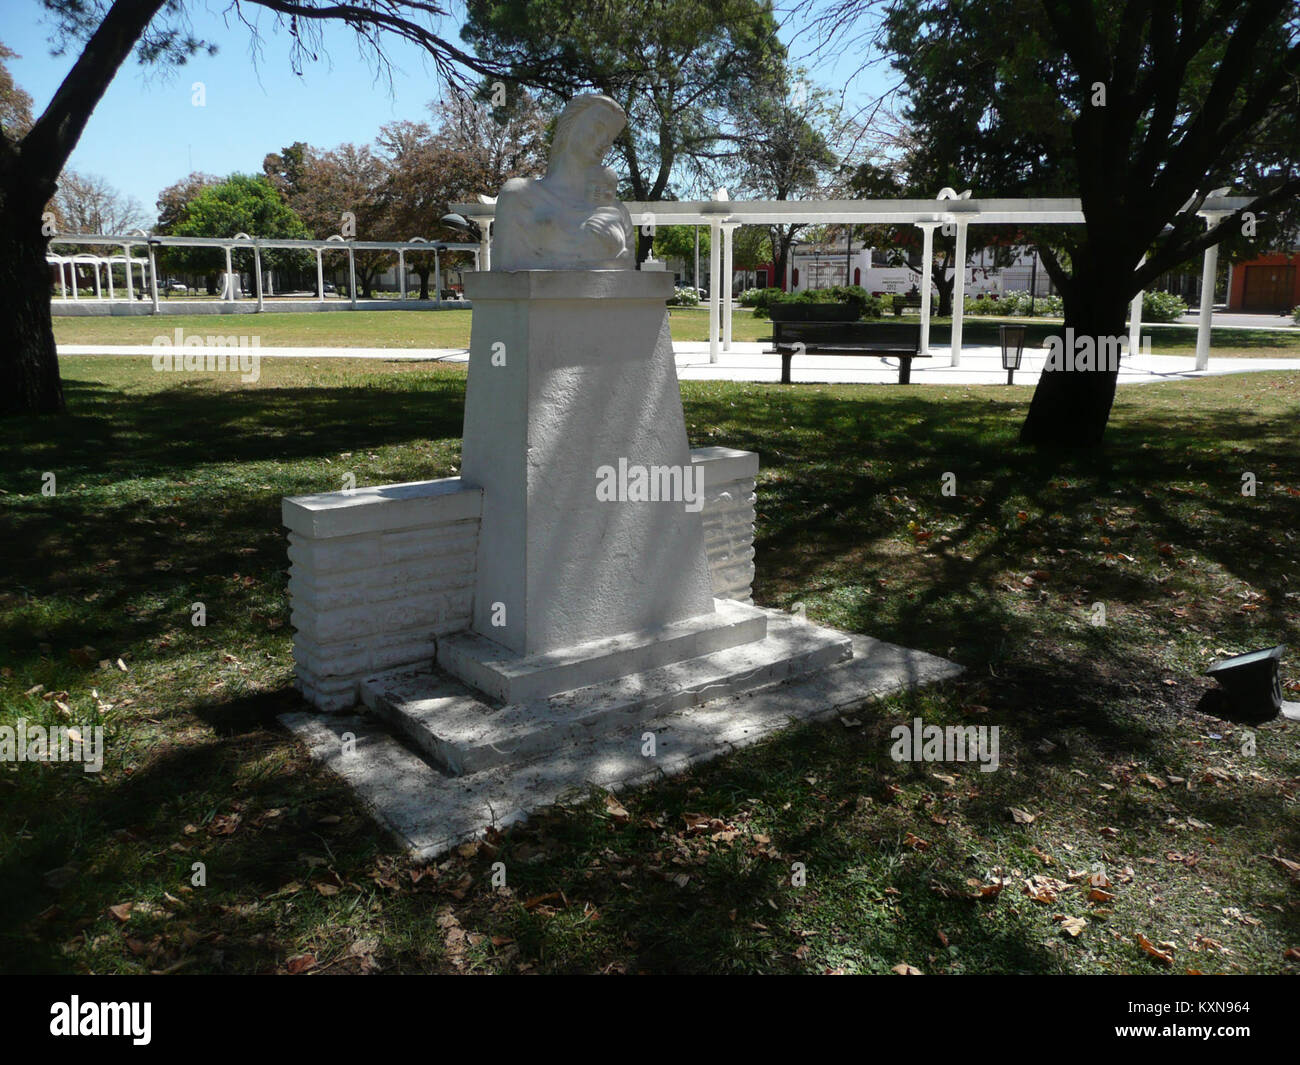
(460, 731)
(430, 812)
(514, 678)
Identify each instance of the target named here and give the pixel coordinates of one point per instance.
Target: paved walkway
(747, 362)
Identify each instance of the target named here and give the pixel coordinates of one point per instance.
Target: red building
(1266, 283)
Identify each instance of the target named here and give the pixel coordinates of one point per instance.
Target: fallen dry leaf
(1021, 817)
(1071, 926)
(615, 809)
(903, 969)
(1164, 957)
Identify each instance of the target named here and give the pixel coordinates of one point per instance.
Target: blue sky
(146, 133)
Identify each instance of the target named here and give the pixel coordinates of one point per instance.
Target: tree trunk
(422, 272)
(29, 363)
(1071, 407)
(945, 286)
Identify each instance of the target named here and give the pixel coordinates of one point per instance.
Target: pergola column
(320, 277)
(728, 278)
(257, 269)
(959, 293)
(927, 265)
(1135, 321)
(153, 277)
(1205, 319)
(352, 277)
(715, 283)
(437, 280)
(130, 281)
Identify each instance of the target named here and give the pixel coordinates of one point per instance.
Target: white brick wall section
(729, 479)
(378, 574)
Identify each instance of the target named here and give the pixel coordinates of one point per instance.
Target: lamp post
(1012, 338)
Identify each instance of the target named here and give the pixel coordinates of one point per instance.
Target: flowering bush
(1162, 306)
(684, 297)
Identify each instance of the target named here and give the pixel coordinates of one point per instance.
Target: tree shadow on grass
(113, 434)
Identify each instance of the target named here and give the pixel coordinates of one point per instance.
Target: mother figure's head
(584, 131)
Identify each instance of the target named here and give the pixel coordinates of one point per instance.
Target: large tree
(678, 68)
(785, 150)
(1138, 108)
(32, 156)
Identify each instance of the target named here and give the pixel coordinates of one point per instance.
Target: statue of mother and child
(571, 219)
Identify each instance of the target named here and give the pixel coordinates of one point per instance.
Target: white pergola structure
(242, 240)
(723, 215)
(70, 264)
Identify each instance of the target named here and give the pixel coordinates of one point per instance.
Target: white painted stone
(571, 371)
(376, 576)
(462, 733)
(509, 677)
(571, 219)
(430, 813)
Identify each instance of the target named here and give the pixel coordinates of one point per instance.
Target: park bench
(903, 302)
(902, 340)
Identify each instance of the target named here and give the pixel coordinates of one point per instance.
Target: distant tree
(678, 68)
(678, 242)
(15, 104)
(242, 203)
(786, 152)
(32, 155)
(473, 149)
(173, 200)
(87, 203)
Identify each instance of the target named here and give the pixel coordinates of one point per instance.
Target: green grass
(168, 493)
(450, 329)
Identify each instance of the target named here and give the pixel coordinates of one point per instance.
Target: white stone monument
(571, 383)
(582, 583)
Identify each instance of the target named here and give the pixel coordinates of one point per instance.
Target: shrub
(684, 297)
(1295, 315)
(861, 303)
(759, 298)
(1019, 304)
(1162, 306)
(989, 304)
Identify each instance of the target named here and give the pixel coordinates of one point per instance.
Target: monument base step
(462, 733)
(501, 674)
(430, 812)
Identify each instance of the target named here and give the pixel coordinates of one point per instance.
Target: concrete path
(1234, 320)
(746, 361)
(979, 366)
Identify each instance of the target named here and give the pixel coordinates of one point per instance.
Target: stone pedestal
(571, 372)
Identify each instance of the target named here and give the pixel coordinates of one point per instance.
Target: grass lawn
(169, 494)
(450, 329)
